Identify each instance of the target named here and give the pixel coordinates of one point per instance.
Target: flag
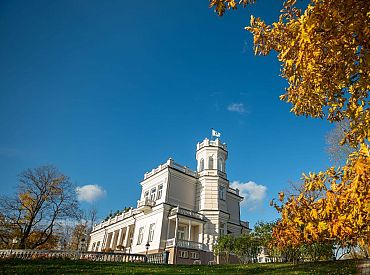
(215, 133)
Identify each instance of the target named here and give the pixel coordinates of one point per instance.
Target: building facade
(179, 210)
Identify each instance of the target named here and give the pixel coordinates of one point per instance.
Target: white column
(189, 231)
(114, 240)
(202, 235)
(126, 237)
(111, 242)
(176, 228)
(119, 237)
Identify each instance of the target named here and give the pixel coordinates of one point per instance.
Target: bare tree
(92, 216)
(44, 197)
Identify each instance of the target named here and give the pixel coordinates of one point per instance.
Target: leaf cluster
(324, 54)
(340, 213)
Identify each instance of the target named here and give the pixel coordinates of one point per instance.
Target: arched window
(210, 162)
(201, 165)
(221, 165)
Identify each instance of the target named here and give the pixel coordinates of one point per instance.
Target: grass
(16, 266)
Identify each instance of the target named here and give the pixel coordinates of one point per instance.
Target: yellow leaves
(318, 52)
(340, 213)
(220, 5)
(325, 60)
(298, 221)
(322, 226)
(281, 196)
(314, 214)
(27, 200)
(232, 4)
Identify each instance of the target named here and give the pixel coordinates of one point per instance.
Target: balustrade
(184, 244)
(186, 212)
(28, 254)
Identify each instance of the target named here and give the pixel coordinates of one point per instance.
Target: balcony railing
(212, 172)
(146, 202)
(170, 163)
(184, 244)
(114, 219)
(185, 212)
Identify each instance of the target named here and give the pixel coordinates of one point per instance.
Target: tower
(211, 156)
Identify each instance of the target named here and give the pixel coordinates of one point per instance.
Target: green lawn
(84, 267)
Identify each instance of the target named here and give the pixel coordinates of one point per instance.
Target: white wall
(144, 221)
(181, 190)
(233, 207)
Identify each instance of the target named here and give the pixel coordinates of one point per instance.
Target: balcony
(187, 213)
(212, 172)
(145, 205)
(184, 244)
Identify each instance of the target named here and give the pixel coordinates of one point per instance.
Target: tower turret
(211, 158)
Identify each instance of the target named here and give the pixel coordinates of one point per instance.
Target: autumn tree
(324, 53)
(44, 197)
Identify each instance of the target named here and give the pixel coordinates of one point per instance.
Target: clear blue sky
(107, 90)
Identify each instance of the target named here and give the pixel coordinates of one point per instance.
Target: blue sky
(107, 90)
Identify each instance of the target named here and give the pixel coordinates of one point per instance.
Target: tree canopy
(324, 54)
(44, 197)
(324, 51)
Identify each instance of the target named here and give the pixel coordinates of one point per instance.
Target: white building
(179, 210)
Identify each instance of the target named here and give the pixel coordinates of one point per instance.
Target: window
(210, 163)
(181, 233)
(151, 232)
(194, 255)
(183, 254)
(201, 165)
(220, 165)
(222, 229)
(152, 194)
(140, 236)
(146, 194)
(222, 192)
(97, 246)
(93, 246)
(159, 192)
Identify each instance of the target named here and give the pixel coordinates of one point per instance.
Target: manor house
(179, 210)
